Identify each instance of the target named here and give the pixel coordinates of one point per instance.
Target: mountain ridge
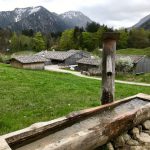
(143, 23)
(40, 19)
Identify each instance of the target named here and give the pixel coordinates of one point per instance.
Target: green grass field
(133, 51)
(29, 96)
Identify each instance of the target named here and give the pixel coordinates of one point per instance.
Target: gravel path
(57, 69)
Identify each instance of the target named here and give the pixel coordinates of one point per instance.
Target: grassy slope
(29, 96)
(133, 51)
(145, 78)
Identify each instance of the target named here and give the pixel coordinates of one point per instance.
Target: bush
(124, 65)
(4, 58)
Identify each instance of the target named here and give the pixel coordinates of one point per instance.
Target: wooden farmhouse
(29, 62)
(64, 57)
(140, 63)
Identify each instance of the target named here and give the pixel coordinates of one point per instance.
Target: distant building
(29, 62)
(85, 64)
(64, 57)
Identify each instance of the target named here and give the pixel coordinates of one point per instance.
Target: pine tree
(38, 42)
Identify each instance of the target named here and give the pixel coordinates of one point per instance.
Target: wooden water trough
(86, 129)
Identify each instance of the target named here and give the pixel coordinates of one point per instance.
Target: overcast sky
(115, 13)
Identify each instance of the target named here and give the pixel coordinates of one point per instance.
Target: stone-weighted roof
(58, 55)
(90, 61)
(30, 59)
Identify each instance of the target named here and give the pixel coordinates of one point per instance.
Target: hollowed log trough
(86, 129)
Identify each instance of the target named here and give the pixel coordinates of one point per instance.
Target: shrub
(4, 58)
(124, 65)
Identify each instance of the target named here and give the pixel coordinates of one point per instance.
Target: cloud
(119, 13)
(116, 13)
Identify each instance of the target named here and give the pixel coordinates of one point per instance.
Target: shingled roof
(134, 58)
(30, 59)
(90, 61)
(58, 55)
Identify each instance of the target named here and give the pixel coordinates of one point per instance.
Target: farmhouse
(29, 62)
(64, 57)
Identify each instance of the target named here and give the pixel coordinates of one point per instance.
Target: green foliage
(28, 32)
(123, 39)
(77, 38)
(48, 40)
(138, 38)
(90, 41)
(5, 35)
(4, 58)
(38, 42)
(100, 33)
(67, 40)
(20, 42)
(92, 27)
(14, 42)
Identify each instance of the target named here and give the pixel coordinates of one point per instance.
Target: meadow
(28, 96)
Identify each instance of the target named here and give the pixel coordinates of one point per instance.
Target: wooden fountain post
(108, 67)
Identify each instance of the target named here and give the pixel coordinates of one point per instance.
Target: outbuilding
(29, 62)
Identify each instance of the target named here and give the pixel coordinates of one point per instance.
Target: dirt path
(57, 69)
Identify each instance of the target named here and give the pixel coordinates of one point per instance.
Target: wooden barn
(29, 62)
(64, 57)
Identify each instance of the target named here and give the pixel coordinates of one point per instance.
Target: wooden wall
(143, 66)
(86, 67)
(34, 66)
(16, 64)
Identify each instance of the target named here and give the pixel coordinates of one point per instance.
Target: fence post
(108, 67)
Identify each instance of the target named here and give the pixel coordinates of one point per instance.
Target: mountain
(40, 19)
(75, 18)
(143, 23)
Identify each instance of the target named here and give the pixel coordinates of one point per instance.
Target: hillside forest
(89, 39)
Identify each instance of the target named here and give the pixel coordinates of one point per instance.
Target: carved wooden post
(108, 67)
